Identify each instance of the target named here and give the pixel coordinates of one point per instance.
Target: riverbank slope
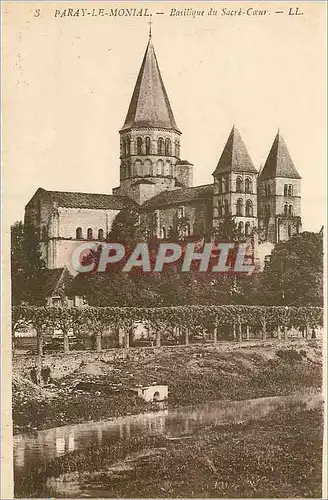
(92, 386)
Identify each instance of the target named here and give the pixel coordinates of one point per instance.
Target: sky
(68, 82)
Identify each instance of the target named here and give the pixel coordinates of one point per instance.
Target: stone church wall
(72, 218)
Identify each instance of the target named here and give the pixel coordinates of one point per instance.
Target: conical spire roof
(235, 157)
(279, 162)
(150, 106)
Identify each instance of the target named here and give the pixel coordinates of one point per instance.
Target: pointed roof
(150, 106)
(279, 162)
(235, 157)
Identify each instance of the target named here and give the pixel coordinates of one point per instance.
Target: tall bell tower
(150, 138)
(279, 195)
(235, 186)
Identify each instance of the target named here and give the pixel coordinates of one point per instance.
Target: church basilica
(156, 181)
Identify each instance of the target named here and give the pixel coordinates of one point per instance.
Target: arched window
(219, 181)
(168, 168)
(168, 147)
(226, 207)
(289, 230)
(290, 210)
(89, 233)
(286, 209)
(290, 190)
(139, 145)
(285, 190)
(100, 234)
(160, 167)
(224, 185)
(147, 144)
(170, 232)
(188, 229)
(150, 167)
(128, 146)
(147, 168)
(177, 149)
(239, 185)
(240, 228)
(249, 187)
(160, 146)
(137, 167)
(79, 235)
(249, 208)
(163, 233)
(247, 229)
(239, 207)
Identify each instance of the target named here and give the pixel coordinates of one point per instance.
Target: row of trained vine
(186, 319)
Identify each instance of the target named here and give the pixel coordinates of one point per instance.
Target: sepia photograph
(163, 243)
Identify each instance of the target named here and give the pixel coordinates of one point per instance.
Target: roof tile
(88, 200)
(178, 196)
(279, 162)
(150, 106)
(235, 157)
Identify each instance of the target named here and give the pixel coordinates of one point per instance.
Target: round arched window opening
(156, 396)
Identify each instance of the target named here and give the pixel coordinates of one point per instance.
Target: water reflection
(30, 450)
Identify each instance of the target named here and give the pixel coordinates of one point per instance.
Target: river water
(33, 449)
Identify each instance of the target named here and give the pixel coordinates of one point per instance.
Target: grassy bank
(195, 374)
(278, 457)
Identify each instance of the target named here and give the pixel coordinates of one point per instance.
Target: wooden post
(215, 335)
(264, 332)
(279, 332)
(247, 332)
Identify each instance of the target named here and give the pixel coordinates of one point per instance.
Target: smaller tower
(279, 196)
(235, 186)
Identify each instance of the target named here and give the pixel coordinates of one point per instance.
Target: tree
(227, 230)
(26, 264)
(126, 227)
(67, 320)
(294, 274)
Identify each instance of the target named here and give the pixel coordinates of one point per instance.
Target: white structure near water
(153, 392)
